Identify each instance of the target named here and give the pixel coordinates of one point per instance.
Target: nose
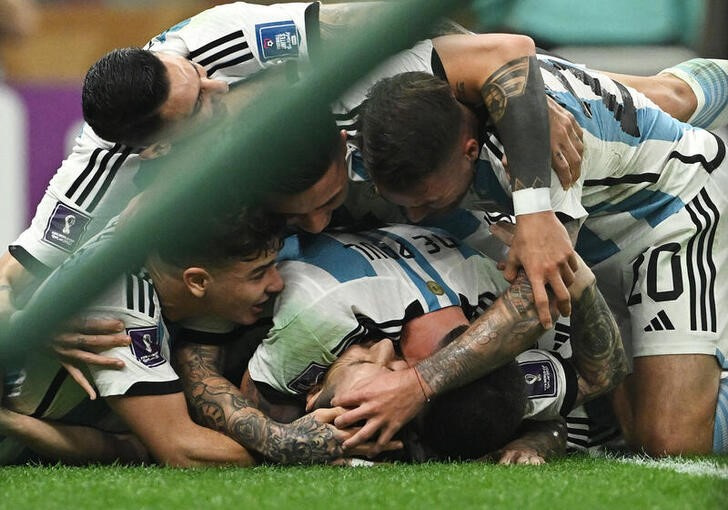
(214, 87)
(276, 283)
(313, 222)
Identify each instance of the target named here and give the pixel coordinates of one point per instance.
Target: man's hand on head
(386, 402)
(542, 247)
(567, 144)
(81, 340)
(314, 439)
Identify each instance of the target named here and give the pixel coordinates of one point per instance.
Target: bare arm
(597, 350)
(163, 425)
(13, 279)
(71, 444)
(219, 405)
(502, 71)
(506, 329)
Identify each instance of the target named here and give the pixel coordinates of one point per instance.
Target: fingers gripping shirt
(343, 288)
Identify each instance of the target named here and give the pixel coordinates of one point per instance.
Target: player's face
(192, 95)
(438, 193)
(311, 209)
(360, 362)
(239, 291)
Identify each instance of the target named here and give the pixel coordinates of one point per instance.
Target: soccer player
(196, 59)
(650, 202)
(393, 282)
(228, 278)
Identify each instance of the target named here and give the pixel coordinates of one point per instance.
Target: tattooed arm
(218, 404)
(389, 401)
(502, 72)
(597, 351)
(537, 442)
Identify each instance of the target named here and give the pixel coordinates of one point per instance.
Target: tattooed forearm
(598, 353)
(506, 329)
(218, 404)
(514, 96)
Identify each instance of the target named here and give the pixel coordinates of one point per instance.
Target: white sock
(708, 78)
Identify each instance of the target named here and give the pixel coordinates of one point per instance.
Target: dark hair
(122, 94)
(245, 234)
(410, 124)
(479, 418)
(473, 420)
(312, 155)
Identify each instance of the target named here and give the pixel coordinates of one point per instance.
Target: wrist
(424, 387)
(531, 200)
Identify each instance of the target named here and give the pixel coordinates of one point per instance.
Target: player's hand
(80, 341)
(314, 439)
(567, 144)
(529, 456)
(386, 402)
(542, 247)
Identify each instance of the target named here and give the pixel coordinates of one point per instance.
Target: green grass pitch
(577, 482)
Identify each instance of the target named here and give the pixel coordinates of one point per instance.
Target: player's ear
(197, 280)
(471, 149)
(156, 150)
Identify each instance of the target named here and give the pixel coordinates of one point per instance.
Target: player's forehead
(245, 267)
(184, 86)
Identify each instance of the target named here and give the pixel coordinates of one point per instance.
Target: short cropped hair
(322, 147)
(245, 233)
(410, 124)
(122, 95)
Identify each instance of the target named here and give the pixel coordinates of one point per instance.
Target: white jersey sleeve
(147, 369)
(92, 185)
(233, 41)
(551, 384)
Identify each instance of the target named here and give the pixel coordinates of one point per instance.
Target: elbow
(510, 46)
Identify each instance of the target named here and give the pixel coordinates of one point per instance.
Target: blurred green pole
(198, 173)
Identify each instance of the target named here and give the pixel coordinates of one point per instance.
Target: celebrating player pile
(457, 121)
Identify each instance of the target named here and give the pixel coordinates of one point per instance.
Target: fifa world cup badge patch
(278, 39)
(145, 345)
(540, 379)
(65, 228)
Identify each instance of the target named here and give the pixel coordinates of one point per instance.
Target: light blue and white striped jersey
(639, 166)
(342, 288)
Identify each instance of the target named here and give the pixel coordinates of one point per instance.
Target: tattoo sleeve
(506, 329)
(514, 96)
(216, 403)
(597, 350)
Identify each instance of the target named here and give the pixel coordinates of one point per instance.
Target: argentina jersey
(234, 41)
(640, 166)
(344, 288)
